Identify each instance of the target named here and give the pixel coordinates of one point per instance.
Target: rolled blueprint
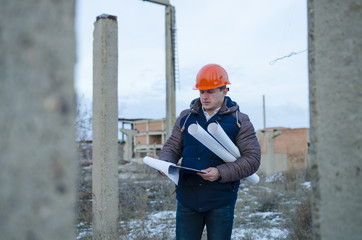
(254, 178)
(217, 132)
(206, 139)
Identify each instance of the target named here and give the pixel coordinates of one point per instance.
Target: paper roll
(254, 179)
(217, 132)
(206, 139)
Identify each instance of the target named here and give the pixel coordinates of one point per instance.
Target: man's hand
(211, 175)
(162, 173)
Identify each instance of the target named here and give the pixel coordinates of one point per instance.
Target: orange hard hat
(211, 76)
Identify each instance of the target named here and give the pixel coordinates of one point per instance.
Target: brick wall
(292, 144)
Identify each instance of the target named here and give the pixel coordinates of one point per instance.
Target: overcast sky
(243, 36)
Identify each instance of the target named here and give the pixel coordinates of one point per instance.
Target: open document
(170, 169)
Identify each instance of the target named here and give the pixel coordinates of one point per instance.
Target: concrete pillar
(37, 116)
(128, 148)
(335, 60)
(105, 129)
(170, 68)
(269, 137)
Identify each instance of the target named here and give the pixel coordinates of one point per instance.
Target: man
(209, 198)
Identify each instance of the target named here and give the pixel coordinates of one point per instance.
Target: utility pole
(264, 117)
(170, 64)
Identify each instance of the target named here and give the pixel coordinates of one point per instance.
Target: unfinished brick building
(287, 149)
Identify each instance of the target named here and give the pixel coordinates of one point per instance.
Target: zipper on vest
(183, 126)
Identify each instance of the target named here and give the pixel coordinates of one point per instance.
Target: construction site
(43, 195)
(282, 148)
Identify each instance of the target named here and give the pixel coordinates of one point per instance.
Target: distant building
(145, 137)
(150, 138)
(282, 148)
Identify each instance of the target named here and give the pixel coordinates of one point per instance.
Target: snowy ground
(260, 212)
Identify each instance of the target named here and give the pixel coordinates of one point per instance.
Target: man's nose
(204, 95)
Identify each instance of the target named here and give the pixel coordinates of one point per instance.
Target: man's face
(212, 99)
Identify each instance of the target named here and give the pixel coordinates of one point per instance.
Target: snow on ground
(259, 213)
(154, 225)
(307, 185)
(161, 225)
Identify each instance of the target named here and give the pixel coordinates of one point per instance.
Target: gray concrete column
(128, 147)
(105, 129)
(335, 65)
(170, 40)
(37, 117)
(271, 165)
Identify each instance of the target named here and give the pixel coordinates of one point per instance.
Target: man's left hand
(211, 175)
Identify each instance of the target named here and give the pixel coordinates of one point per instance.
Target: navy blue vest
(192, 190)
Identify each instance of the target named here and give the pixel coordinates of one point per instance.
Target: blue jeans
(190, 224)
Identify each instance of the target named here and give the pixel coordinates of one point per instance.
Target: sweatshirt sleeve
(249, 147)
(172, 150)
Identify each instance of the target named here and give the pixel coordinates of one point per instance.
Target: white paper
(254, 179)
(217, 132)
(206, 139)
(170, 169)
(164, 167)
